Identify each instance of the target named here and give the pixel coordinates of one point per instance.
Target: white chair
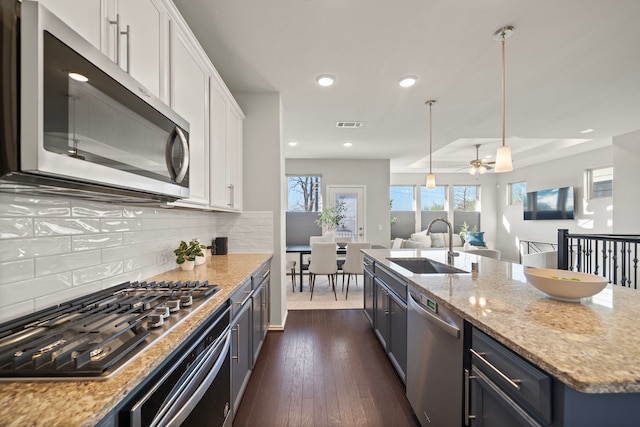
(312, 240)
(323, 261)
(354, 263)
(291, 266)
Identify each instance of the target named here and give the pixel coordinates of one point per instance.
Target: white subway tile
(98, 272)
(135, 237)
(11, 228)
(66, 295)
(119, 279)
(29, 248)
(120, 225)
(139, 262)
(31, 289)
(20, 206)
(122, 252)
(65, 226)
(16, 270)
(139, 212)
(95, 241)
(81, 208)
(14, 311)
(66, 262)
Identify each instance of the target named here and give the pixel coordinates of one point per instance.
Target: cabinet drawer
(240, 297)
(395, 283)
(522, 381)
(260, 275)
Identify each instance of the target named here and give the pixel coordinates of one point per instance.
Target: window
(434, 200)
(517, 192)
(600, 182)
(401, 198)
(465, 198)
(303, 194)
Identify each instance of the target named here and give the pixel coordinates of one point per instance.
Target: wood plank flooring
(326, 369)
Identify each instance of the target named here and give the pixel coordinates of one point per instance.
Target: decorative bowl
(565, 285)
(342, 245)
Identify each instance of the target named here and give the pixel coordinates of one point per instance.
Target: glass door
(353, 198)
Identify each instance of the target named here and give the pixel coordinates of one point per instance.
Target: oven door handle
(177, 409)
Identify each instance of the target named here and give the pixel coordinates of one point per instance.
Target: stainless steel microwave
(76, 124)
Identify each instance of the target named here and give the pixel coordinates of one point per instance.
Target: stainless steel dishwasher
(434, 362)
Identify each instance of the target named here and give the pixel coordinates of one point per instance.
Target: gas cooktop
(93, 336)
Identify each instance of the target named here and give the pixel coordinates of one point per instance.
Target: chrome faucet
(450, 254)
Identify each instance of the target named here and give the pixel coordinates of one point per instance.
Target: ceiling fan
(479, 166)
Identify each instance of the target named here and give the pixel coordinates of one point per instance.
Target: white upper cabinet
(84, 16)
(226, 149)
(190, 99)
(137, 40)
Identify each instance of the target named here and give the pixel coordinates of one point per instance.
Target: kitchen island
(87, 402)
(590, 349)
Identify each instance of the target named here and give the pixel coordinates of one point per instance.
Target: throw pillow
(437, 240)
(423, 239)
(456, 240)
(477, 240)
(397, 243)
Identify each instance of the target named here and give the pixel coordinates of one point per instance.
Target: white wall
(626, 157)
(263, 181)
(374, 174)
(595, 216)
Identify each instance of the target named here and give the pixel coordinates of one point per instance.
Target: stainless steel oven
(193, 388)
(73, 121)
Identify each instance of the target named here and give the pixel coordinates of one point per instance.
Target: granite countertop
(592, 346)
(84, 403)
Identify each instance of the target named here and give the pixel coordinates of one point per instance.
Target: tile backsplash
(56, 249)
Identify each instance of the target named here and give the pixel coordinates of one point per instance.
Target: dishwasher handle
(452, 330)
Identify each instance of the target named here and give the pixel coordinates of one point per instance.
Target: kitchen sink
(425, 266)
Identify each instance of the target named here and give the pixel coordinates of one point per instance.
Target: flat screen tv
(555, 203)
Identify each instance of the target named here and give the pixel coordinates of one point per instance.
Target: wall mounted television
(555, 203)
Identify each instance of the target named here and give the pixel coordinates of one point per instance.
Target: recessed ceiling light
(293, 143)
(78, 77)
(347, 144)
(325, 80)
(586, 130)
(407, 81)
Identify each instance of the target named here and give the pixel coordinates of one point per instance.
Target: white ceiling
(570, 65)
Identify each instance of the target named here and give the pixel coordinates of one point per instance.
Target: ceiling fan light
(482, 169)
(431, 181)
(472, 170)
(503, 159)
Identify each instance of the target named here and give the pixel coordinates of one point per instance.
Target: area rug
(323, 298)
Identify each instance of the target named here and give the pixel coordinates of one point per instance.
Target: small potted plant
(330, 219)
(199, 250)
(466, 233)
(186, 254)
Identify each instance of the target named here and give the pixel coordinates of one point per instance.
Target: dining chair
(342, 243)
(354, 263)
(305, 265)
(291, 266)
(323, 261)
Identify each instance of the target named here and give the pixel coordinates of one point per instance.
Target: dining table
(306, 250)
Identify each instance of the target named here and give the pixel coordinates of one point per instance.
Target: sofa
(436, 241)
(423, 240)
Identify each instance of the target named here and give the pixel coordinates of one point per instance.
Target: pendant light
(431, 178)
(503, 156)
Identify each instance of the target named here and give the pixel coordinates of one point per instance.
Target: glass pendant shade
(503, 160)
(472, 170)
(431, 181)
(482, 169)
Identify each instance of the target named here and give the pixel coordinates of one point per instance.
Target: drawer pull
(513, 383)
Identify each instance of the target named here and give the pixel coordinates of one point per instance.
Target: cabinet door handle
(467, 392)
(126, 33)
(117, 24)
(237, 356)
(512, 383)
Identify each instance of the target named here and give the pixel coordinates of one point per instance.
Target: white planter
(200, 260)
(330, 235)
(188, 265)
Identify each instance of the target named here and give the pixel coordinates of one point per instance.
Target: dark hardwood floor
(326, 369)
